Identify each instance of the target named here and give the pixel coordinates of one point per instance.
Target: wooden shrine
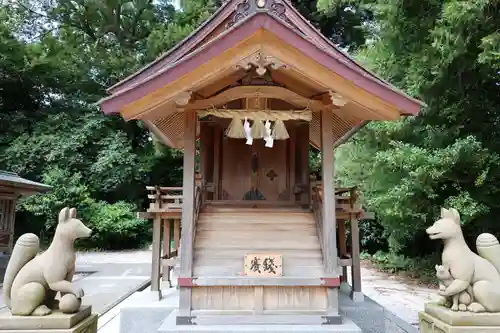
(256, 85)
(12, 187)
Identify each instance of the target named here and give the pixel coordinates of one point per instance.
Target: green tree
(447, 53)
(57, 59)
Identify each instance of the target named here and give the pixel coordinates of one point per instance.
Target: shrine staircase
(224, 235)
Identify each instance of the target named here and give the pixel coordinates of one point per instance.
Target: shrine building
(252, 237)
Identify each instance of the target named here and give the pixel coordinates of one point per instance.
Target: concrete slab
(372, 317)
(109, 325)
(169, 326)
(114, 269)
(368, 315)
(105, 292)
(140, 313)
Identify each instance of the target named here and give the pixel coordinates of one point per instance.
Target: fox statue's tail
(488, 247)
(26, 248)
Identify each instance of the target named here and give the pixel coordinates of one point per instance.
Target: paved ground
(402, 297)
(108, 277)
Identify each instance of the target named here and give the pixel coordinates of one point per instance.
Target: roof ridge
(10, 173)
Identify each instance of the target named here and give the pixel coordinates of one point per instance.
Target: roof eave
(25, 188)
(405, 103)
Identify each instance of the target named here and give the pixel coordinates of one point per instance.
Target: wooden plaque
(263, 264)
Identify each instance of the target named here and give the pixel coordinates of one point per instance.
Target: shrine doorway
(254, 172)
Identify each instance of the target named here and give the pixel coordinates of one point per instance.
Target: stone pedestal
(437, 319)
(81, 322)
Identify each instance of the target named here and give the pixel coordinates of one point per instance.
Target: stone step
(169, 326)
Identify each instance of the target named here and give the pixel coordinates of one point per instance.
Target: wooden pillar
(206, 155)
(356, 293)
(292, 147)
(217, 160)
(328, 208)
(156, 246)
(177, 234)
(10, 214)
(166, 248)
(342, 246)
(156, 253)
(166, 238)
(188, 180)
(303, 160)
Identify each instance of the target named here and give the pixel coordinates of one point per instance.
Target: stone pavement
(108, 278)
(401, 297)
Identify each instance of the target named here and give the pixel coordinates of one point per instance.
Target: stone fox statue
(459, 301)
(467, 268)
(31, 282)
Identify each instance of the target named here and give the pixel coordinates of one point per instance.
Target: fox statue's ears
(66, 213)
(451, 213)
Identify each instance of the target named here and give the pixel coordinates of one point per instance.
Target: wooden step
(203, 260)
(225, 235)
(255, 219)
(238, 270)
(236, 254)
(246, 227)
(249, 238)
(257, 244)
(225, 210)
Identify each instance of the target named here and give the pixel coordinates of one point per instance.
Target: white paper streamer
(248, 132)
(268, 136)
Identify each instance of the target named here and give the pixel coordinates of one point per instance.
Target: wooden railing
(198, 201)
(317, 207)
(346, 201)
(164, 198)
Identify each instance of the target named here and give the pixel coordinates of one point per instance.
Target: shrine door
(254, 172)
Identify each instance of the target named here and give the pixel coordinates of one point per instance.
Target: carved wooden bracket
(247, 7)
(261, 62)
(337, 99)
(183, 98)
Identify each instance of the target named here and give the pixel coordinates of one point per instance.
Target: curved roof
(234, 22)
(24, 186)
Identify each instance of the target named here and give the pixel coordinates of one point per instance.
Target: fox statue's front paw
(41, 311)
(443, 301)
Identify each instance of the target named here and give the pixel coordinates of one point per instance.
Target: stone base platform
(144, 313)
(81, 322)
(437, 319)
(169, 326)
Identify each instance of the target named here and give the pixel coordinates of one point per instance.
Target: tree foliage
(58, 56)
(447, 54)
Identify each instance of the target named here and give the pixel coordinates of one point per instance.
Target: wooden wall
(280, 173)
(7, 217)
